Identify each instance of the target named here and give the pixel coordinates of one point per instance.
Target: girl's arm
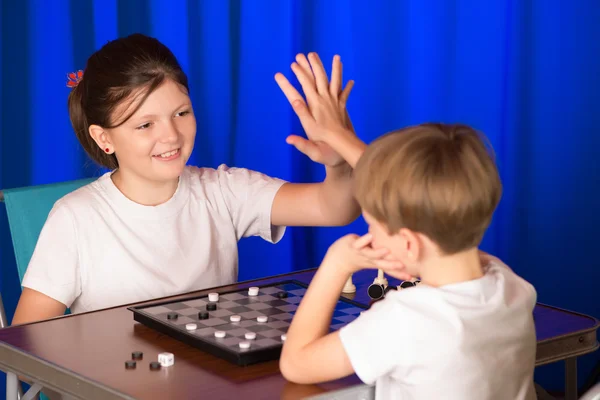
(35, 306)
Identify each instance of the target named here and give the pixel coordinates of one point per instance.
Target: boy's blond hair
(435, 179)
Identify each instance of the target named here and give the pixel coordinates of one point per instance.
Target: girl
(154, 227)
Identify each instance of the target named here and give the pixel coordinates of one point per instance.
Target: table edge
(80, 382)
(570, 334)
(164, 298)
(564, 357)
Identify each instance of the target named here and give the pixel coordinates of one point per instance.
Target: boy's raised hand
(324, 112)
(352, 253)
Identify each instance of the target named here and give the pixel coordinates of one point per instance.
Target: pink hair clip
(74, 78)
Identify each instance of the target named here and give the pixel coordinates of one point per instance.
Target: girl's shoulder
(228, 176)
(85, 195)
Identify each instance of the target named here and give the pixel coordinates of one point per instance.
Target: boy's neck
(142, 191)
(445, 270)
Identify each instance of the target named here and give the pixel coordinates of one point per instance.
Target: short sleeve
(249, 197)
(54, 266)
(376, 342)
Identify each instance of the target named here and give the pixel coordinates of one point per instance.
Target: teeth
(168, 154)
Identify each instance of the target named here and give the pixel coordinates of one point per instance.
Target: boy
(466, 331)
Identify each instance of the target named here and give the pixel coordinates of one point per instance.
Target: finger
(345, 94)
(304, 65)
(287, 88)
(376, 254)
(301, 109)
(362, 241)
(388, 265)
(348, 122)
(304, 146)
(303, 62)
(336, 77)
(307, 82)
(319, 72)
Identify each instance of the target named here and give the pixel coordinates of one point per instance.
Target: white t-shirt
(470, 340)
(99, 249)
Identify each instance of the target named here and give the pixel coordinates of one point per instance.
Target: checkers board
(277, 301)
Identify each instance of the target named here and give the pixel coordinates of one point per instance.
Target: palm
(318, 150)
(325, 155)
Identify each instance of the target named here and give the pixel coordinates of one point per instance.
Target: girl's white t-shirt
(99, 249)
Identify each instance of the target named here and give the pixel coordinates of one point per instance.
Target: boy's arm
(310, 354)
(348, 146)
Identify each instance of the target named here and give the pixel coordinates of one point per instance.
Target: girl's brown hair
(124, 70)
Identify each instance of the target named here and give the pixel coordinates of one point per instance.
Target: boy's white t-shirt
(470, 340)
(99, 249)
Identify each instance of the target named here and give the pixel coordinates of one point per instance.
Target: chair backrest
(27, 209)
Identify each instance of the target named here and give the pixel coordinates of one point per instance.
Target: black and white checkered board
(267, 344)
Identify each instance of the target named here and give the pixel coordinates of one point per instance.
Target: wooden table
(83, 355)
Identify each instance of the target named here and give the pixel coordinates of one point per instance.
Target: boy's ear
(102, 138)
(410, 244)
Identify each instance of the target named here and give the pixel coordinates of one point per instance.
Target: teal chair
(27, 209)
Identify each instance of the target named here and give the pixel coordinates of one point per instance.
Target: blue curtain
(524, 72)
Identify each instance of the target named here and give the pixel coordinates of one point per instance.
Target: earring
(107, 149)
